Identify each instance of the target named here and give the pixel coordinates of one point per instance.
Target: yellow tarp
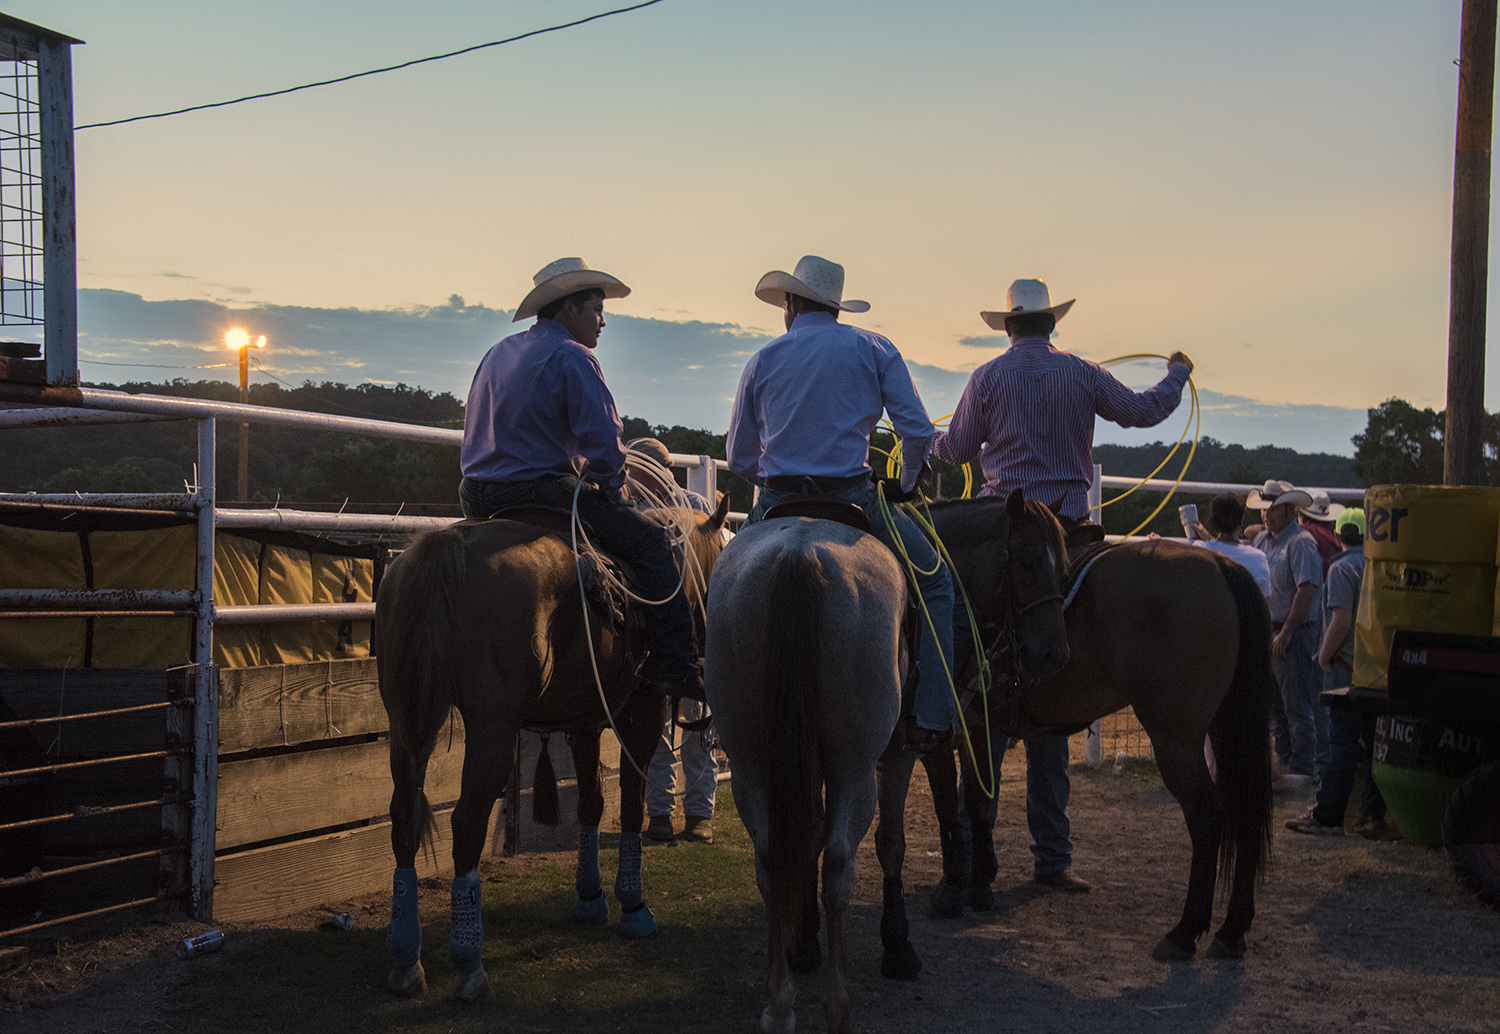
(246, 571)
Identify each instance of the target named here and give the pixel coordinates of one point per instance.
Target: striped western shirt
(1028, 414)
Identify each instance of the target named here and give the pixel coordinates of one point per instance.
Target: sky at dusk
(1265, 186)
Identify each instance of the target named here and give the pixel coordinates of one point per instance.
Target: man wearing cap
(649, 481)
(1296, 582)
(1351, 735)
(1028, 414)
(540, 420)
(648, 473)
(801, 425)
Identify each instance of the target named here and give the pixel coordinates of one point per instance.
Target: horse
(1183, 636)
(804, 673)
(1010, 558)
(489, 617)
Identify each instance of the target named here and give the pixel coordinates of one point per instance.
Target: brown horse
(488, 617)
(1183, 636)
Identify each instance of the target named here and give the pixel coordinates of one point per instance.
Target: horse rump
(794, 798)
(416, 614)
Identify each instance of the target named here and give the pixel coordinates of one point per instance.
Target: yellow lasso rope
(888, 516)
(1195, 421)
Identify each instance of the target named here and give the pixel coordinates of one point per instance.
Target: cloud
(668, 372)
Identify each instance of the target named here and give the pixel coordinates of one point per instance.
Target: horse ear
(715, 522)
(1056, 507)
(1015, 504)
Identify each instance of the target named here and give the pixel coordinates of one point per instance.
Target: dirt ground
(1350, 935)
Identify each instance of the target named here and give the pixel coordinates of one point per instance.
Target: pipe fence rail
(188, 801)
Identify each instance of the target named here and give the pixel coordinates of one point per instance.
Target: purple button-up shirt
(808, 401)
(1031, 411)
(539, 407)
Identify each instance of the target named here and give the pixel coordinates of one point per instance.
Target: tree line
(1400, 444)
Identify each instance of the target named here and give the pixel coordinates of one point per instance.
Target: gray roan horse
(1181, 635)
(804, 668)
(487, 616)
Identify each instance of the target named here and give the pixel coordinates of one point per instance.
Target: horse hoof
(639, 923)
(947, 900)
(900, 962)
(1218, 949)
(978, 897)
(1168, 950)
(472, 986)
(406, 981)
(806, 957)
(768, 1024)
(591, 912)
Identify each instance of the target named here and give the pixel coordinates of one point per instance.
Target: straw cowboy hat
(1320, 509)
(1023, 298)
(562, 278)
(814, 278)
(1275, 492)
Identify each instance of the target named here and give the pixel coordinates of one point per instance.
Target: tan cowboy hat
(814, 278)
(564, 277)
(1023, 298)
(1320, 509)
(1275, 492)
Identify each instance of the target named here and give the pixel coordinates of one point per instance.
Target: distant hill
(1215, 461)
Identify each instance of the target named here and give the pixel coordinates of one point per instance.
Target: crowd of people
(541, 427)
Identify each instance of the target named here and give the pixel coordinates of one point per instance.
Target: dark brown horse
(1009, 556)
(488, 617)
(1182, 635)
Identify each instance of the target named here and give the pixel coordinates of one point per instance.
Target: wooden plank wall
(303, 751)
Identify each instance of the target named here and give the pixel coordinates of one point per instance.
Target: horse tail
(1239, 734)
(794, 787)
(417, 614)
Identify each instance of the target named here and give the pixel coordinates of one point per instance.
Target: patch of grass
(704, 965)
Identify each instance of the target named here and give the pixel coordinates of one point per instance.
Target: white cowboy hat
(564, 277)
(1320, 509)
(1275, 492)
(814, 278)
(1025, 297)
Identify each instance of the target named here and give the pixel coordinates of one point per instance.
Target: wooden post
(1463, 437)
(59, 243)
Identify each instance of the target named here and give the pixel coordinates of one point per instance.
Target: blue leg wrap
(590, 880)
(628, 878)
(590, 906)
(466, 936)
(403, 942)
(636, 919)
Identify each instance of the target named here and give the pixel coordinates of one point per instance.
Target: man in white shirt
(1222, 535)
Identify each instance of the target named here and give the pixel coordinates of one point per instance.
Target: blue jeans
(700, 770)
(1047, 792)
(1301, 680)
(1351, 741)
(934, 706)
(623, 532)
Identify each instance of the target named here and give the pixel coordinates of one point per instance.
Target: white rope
(677, 516)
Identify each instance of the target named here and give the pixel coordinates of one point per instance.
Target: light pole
(238, 340)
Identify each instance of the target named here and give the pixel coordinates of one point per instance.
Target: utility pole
(1463, 437)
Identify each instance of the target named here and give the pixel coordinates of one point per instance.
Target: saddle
(823, 510)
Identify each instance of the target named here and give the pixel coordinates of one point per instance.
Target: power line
(157, 366)
(375, 71)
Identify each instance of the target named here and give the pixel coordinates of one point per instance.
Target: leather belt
(809, 483)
